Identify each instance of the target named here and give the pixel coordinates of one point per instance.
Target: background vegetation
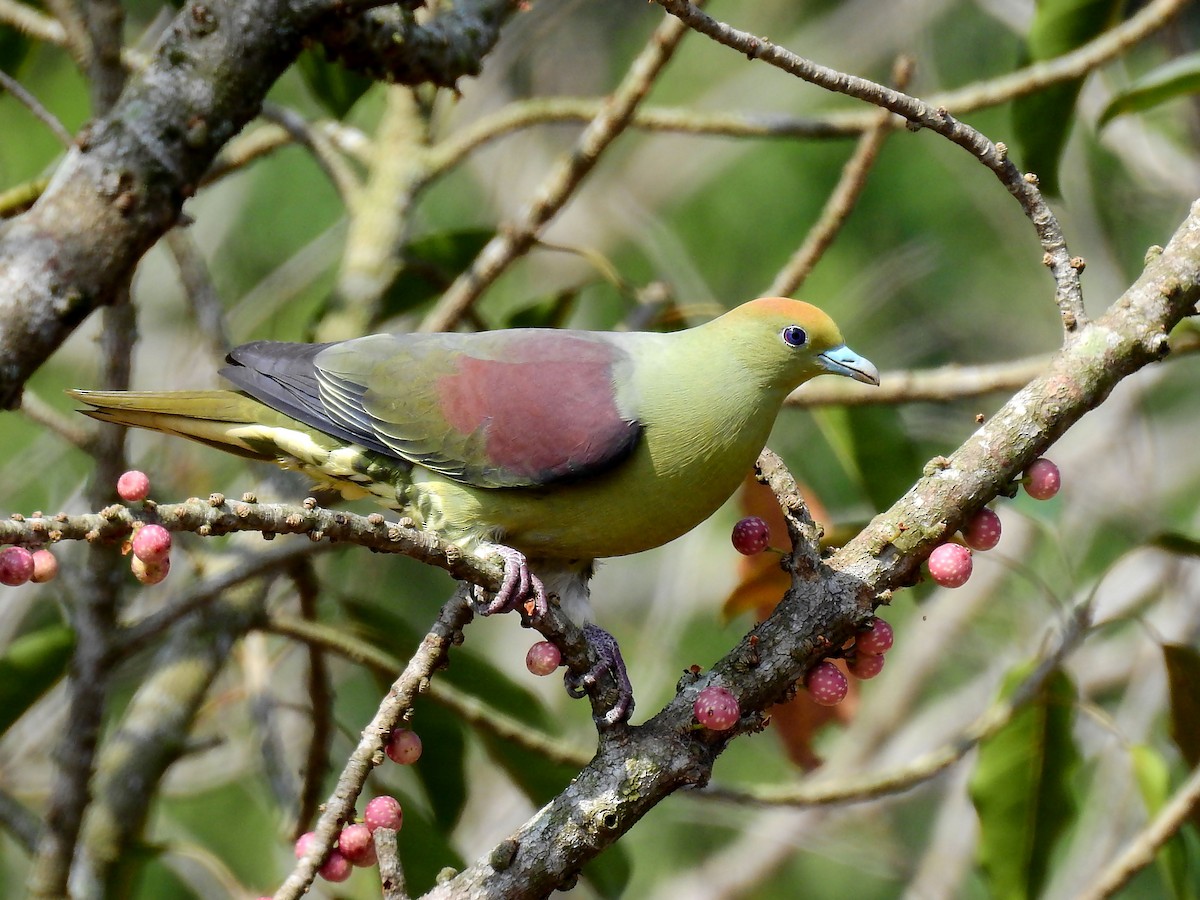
(342, 209)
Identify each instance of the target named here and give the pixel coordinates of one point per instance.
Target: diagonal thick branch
(829, 598)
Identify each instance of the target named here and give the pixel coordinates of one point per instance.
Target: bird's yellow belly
(628, 510)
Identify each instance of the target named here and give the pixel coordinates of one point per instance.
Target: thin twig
(37, 410)
(1143, 849)
(919, 114)
(969, 98)
(137, 635)
(20, 822)
(517, 237)
(339, 808)
(340, 175)
(30, 102)
(391, 873)
(841, 202)
(200, 291)
(320, 695)
(75, 34)
(466, 707)
(105, 23)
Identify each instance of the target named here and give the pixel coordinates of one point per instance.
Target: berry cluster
(950, 564)
(19, 565)
(826, 683)
(355, 844)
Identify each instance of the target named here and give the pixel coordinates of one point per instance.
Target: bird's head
(790, 341)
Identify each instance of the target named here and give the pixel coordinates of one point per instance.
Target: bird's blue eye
(794, 336)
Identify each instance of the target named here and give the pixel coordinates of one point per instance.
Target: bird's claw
(609, 660)
(519, 586)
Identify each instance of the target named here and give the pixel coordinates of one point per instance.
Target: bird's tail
(227, 420)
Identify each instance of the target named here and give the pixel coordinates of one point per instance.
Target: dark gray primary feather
(283, 375)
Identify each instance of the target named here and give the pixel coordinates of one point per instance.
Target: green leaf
(333, 85)
(33, 664)
(1178, 78)
(1042, 121)
(14, 47)
(873, 448)
(443, 771)
(1021, 788)
(548, 312)
(1183, 674)
(1154, 781)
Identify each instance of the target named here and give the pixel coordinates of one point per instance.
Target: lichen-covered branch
(124, 183)
(389, 44)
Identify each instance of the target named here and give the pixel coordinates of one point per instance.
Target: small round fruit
(335, 868)
(717, 709)
(982, 531)
(1042, 479)
(133, 485)
(543, 658)
(150, 573)
(356, 845)
(383, 812)
(16, 566)
(152, 543)
(751, 535)
(403, 747)
(826, 684)
(45, 566)
(950, 565)
(866, 665)
(875, 639)
(303, 842)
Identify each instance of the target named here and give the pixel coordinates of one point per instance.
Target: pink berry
(543, 658)
(982, 531)
(303, 842)
(1042, 479)
(875, 639)
(950, 565)
(866, 665)
(356, 845)
(403, 747)
(826, 684)
(45, 566)
(150, 573)
(751, 535)
(717, 709)
(16, 566)
(133, 485)
(335, 868)
(383, 812)
(152, 543)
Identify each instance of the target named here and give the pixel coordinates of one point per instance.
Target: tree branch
(827, 600)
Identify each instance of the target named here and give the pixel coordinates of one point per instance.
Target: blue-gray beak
(844, 361)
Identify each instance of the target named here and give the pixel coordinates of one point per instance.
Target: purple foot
(520, 585)
(609, 654)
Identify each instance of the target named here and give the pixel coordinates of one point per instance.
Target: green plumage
(562, 445)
